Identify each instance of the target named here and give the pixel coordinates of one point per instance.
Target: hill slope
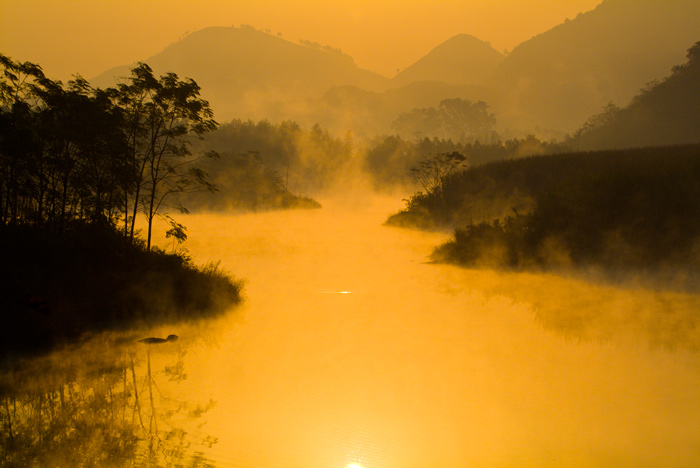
(247, 73)
(664, 114)
(462, 59)
(558, 78)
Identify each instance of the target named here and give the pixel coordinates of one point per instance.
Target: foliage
(74, 153)
(597, 121)
(431, 172)
(456, 119)
(309, 160)
(246, 183)
(617, 210)
(389, 159)
(663, 113)
(480, 193)
(161, 117)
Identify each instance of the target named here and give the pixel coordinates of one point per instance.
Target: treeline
(666, 112)
(390, 159)
(73, 153)
(455, 119)
(77, 166)
(283, 156)
(282, 159)
(618, 210)
(245, 182)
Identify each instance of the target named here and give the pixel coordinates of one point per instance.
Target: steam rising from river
(352, 351)
(419, 365)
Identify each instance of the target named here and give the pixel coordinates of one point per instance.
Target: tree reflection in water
(94, 405)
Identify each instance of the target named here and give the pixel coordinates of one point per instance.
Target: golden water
(351, 350)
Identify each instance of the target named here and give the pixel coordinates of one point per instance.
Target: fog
(352, 350)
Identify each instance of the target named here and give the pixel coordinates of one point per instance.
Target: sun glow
(354, 465)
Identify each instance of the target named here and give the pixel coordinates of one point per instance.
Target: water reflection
(108, 401)
(350, 350)
(586, 310)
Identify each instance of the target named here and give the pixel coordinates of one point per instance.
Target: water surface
(352, 350)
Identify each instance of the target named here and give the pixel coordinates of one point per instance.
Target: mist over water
(352, 350)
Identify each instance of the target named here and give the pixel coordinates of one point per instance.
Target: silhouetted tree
(431, 172)
(456, 119)
(71, 152)
(163, 115)
(607, 116)
(17, 132)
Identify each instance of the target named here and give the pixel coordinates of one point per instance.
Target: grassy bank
(634, 210)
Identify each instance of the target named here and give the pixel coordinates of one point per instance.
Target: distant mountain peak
(462, 59)
(248, 73)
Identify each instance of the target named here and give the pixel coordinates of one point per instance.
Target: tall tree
(456, 119)
(17, 131)
(163, 116)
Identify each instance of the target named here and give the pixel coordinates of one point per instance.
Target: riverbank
(634, 211)
(54, 287)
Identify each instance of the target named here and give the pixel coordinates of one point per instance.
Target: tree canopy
(457, 119)
(73, 153)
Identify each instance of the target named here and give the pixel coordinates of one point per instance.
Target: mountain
(559, 78)
(462, 59)
(369, 113)
(246, 73)
(666, 113)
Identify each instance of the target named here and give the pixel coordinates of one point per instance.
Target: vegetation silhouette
(666, 112)
(77, 166)
(90, 278)
(309, 160)
(78, 154)
(389, 159)
(619, 211)
(456, 119)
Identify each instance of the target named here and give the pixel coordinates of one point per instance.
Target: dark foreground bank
(54, 287)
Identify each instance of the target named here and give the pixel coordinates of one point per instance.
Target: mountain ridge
(244, 70)
(561, 76)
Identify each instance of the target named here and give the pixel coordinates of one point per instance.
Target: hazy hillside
(559, 78)
(462, 59)
(247, 73)
(455, 69)
(370, 113)
(664, 114)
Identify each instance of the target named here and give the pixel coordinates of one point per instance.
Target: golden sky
(90, 36)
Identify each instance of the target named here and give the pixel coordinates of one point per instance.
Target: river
(351, 349)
